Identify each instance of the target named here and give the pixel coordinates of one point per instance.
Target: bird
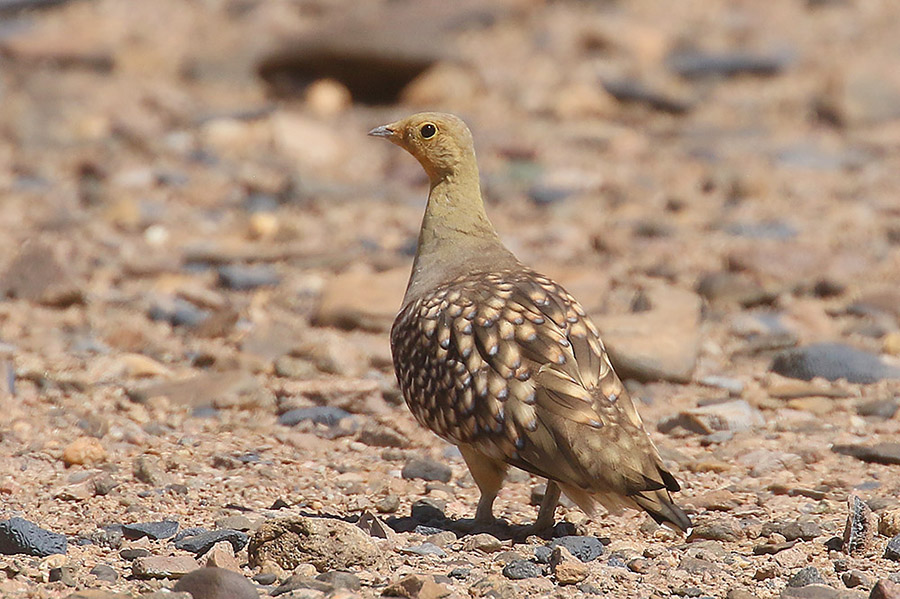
(504, 363)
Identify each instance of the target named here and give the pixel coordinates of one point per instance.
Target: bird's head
(440, 142)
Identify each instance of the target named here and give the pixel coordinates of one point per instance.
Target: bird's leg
(488, 474)
(545, 518)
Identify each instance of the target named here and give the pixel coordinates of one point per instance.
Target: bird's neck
(456, 237)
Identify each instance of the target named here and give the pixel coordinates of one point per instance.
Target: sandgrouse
(503, 362)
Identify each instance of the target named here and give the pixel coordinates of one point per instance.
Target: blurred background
(193, 221)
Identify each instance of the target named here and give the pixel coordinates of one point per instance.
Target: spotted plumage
(503, 362)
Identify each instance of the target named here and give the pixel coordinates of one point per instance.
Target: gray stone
(327, 415)
(892, 550)
(153, 530)
(425, 469)
(880, 453)
(245, 278)
(520, 569)
(201, 543)
(586, 549)
(104, 572)
(833, 361)
(19, 536)
(806, 576)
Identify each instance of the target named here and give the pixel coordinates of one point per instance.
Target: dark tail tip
(661, 508)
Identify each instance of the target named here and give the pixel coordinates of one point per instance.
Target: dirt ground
(197, 237)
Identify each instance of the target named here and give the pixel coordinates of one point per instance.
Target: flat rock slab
(880, 453)
(833, 361)
(326, 543)
(163, 566)
(19, 536)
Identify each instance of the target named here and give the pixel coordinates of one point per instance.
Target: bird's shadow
(462, 527)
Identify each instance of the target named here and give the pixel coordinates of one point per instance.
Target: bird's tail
(661, 508)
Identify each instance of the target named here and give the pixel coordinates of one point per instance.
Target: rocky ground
(201, 253)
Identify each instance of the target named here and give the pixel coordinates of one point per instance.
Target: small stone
(424, 549)
(426, 469)
(19, 536)
(416, 586)
(861, 527)
(132, 553)
(163, 566)
(147, 469)
(586, 549)
(104, 572)
(885, 589)
(221, 555)
(247, 277)
(63, 574)
(697, 565)
(376, 435)
(736, 415)
(521, 569)
(878, 408)
(739, 594)
(154, 530)
(340, 580)
(806, 576)
(343, 306)
(482, 542)
(84, 450)
(718, 530)
(566, 568)
(200, 543)
(889, 522)
(388, 504)
(216, 583)
(327, 415)
(855, 578)
(326, 543)
(892, 551)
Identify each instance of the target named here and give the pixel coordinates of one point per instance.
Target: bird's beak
(383, 131)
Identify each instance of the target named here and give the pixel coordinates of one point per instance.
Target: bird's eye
(428, 130)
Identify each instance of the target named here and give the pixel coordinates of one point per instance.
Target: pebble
(376, 435)
(132, 553)
(147, 469)
(892, 550)
(833, 361)
(885, 589)
(426, 469)
(163, 566)
(586, 549)
(340, 580)
(728, 416)
(216, 583)
(806, 576)
(247, 277)
(326, 543)
(566, 568)
(482, 542)
(880, 453)
(424, 549)
(416, 586)
(855, 578)
(806, 530)
(177, 312)
(723, 529)
(388, 504)
(521, 569)
(154, 530)
(202, 542)
(84, 450)
(327, 415)
(19, 536)
(878, 408)
(104, 572)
